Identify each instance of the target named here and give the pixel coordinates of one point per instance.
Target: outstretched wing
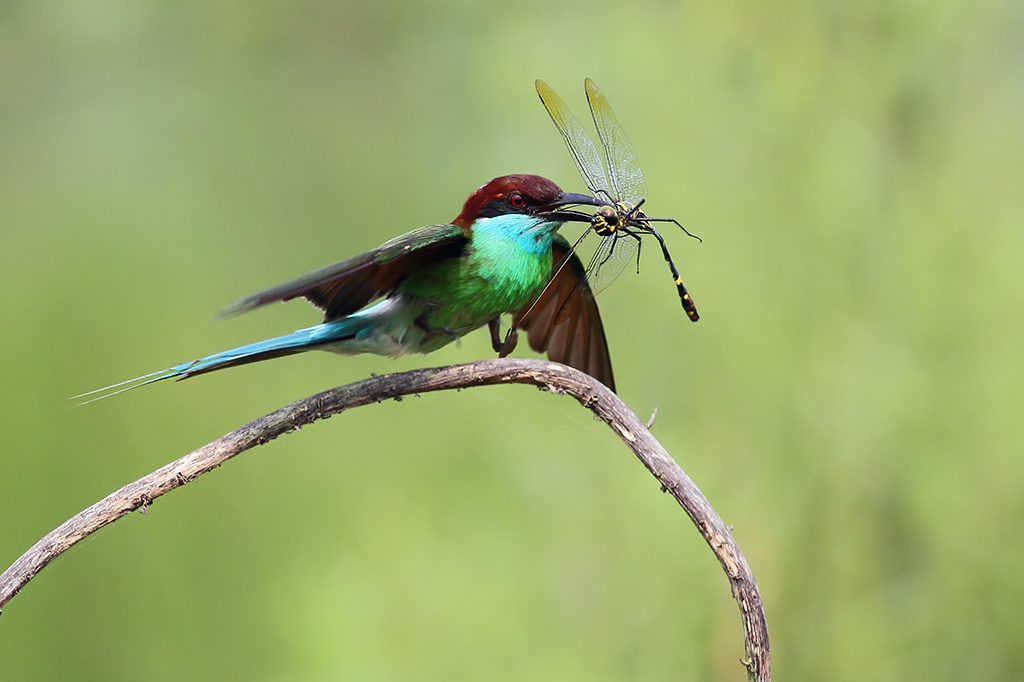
(565, 322)
(581, 147)
(627, 180)
(343, 288)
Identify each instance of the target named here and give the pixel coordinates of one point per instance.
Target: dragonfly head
(605, 221)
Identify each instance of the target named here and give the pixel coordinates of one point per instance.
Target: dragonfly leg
(677, 224)
(639, 246)
(639, 243)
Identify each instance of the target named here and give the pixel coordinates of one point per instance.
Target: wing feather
(565, 322)
(344, 287)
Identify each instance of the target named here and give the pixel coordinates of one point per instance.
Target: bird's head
(527, 195)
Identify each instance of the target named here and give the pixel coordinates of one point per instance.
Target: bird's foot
(433, 331)
(510, 343)
(503, 348)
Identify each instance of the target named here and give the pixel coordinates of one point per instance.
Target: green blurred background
(851, 399)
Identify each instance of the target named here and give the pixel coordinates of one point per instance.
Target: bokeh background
(851, 400)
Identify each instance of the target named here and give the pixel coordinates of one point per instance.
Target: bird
(426, 288)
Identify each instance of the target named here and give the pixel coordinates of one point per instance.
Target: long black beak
(569, 199)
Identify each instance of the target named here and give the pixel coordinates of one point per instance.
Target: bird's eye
(516, 200)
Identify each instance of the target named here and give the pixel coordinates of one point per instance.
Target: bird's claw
(510, 343)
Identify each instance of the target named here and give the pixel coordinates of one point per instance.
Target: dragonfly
(620, 182)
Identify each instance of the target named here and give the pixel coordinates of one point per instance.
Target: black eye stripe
(505, 205)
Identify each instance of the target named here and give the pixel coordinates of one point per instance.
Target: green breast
(503, 270)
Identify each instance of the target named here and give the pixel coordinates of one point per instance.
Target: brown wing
(565, 321)
(345, 287)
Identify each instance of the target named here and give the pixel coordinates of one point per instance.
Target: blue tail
(296, 342)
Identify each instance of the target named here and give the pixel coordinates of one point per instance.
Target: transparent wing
(581, 147)
(611, 257)
(624, 174)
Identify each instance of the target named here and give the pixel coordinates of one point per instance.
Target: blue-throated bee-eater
(429, 287)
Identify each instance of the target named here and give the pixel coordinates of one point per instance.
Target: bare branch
(548, 376)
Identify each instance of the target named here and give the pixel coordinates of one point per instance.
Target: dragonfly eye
(605, 221)
(516, 200)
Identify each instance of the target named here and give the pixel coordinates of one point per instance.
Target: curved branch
(548, 376)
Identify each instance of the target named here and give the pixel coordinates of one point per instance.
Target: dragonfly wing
(613, 253)
(565, 323)
(581, 147)
(624, 174)
(345, 287)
